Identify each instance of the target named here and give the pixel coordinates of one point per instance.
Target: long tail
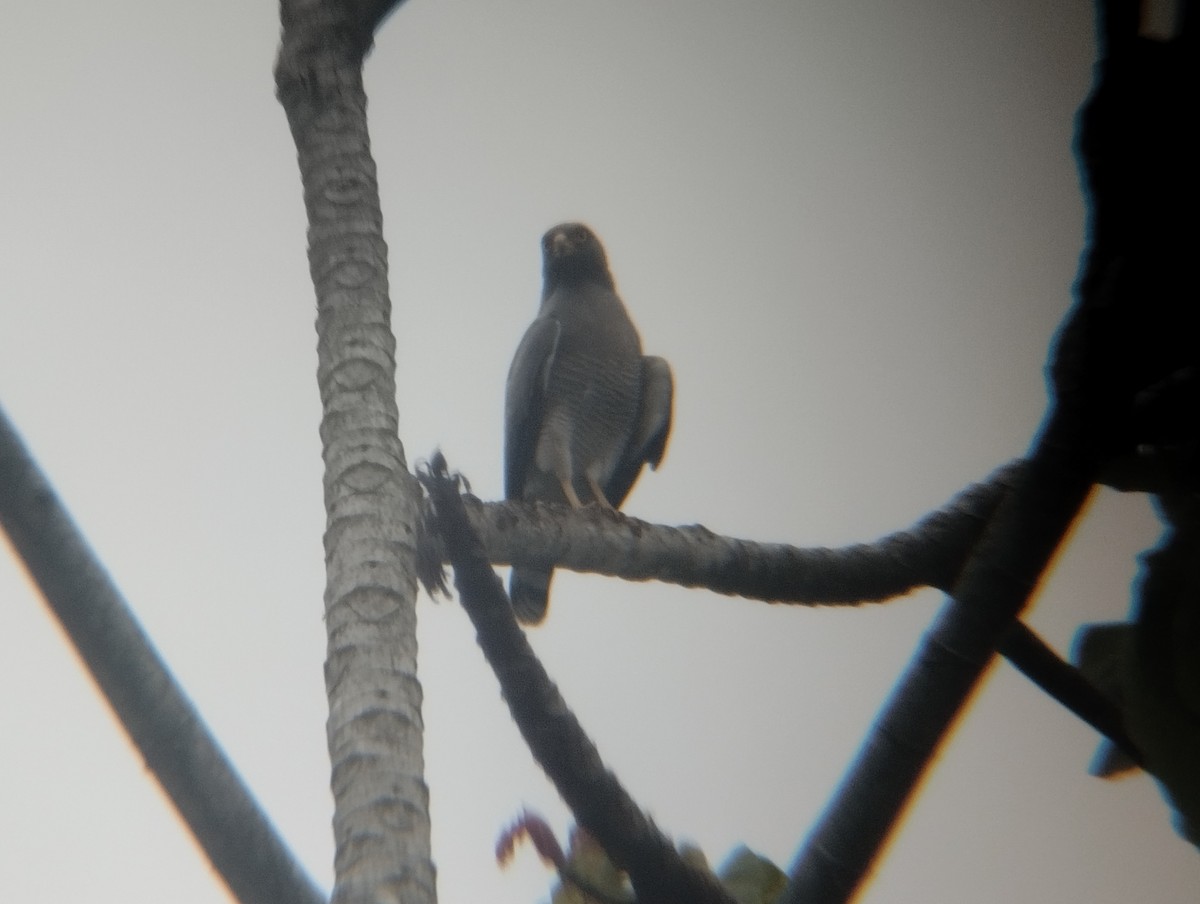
(530, 594)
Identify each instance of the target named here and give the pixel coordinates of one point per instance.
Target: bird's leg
(569, 492)
(598, 493)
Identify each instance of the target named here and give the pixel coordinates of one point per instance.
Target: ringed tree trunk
(381, 816)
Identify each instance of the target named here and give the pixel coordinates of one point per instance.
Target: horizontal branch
(928, 554)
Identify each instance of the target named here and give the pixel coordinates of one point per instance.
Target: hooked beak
(560, 243)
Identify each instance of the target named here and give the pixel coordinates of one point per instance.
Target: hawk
(584, 409)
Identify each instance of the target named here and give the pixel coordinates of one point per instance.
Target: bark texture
(381, 818)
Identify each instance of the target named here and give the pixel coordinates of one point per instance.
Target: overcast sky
(851, 227)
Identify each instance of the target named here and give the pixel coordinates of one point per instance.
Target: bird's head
(572, 253)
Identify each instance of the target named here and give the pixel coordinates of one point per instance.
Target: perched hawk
(584, 410)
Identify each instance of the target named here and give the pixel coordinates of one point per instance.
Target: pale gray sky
(850, 226)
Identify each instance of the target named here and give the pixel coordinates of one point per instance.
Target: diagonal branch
(1126, 332)
(994, 587)
(594, 794)
(1033, 658)
(219, 811)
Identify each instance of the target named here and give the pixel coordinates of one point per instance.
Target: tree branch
(930, 553)
(994, 587)
(222, 816)
(594, 794)
(1031, 656)
(1126, 332)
